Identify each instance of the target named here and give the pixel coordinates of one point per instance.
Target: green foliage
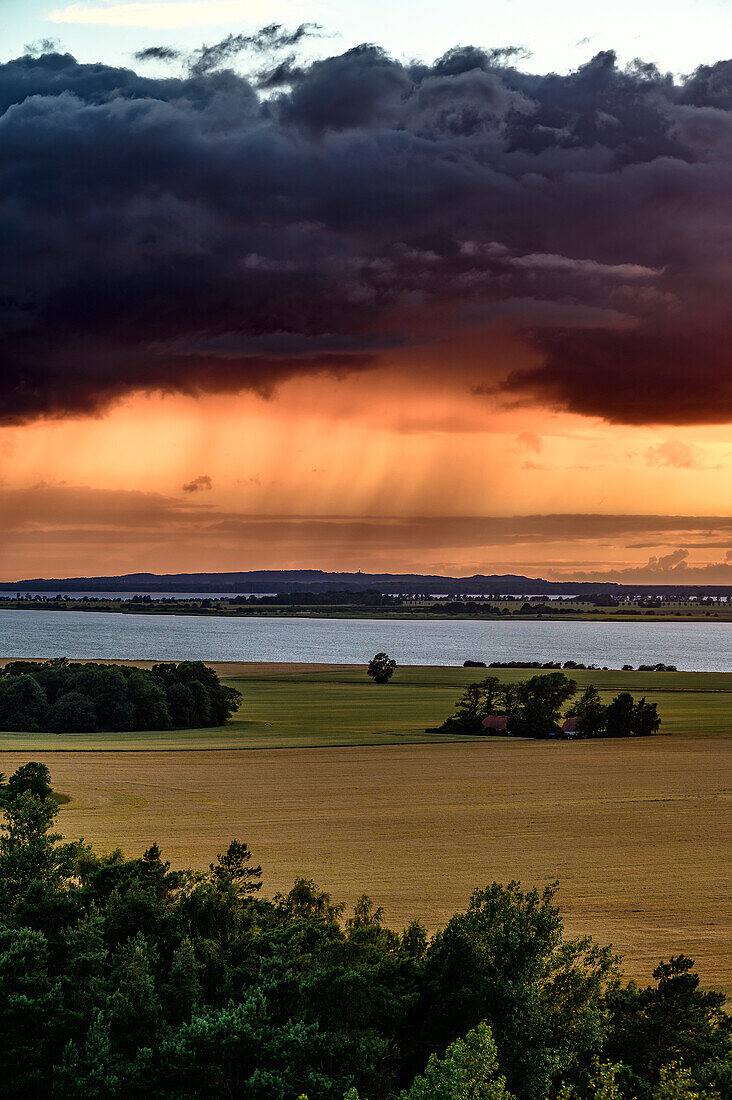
(506, 961)
(72, 713)
(29, 854)
(540, 702)
(533, 708)
(669, 1022)
(23, 703)
(122, 977)
(31, 778)
(306, 902)
(233, 867)
(469, 1071)
(676, 1082)
(87, 1070)
(381, 668)
(59, 697)
(183, 989)
(604, 1085)
(645, 719)
(479, 700)
(619, 715)
(590, 712)
(27, 1003)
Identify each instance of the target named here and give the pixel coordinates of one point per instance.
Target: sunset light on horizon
(282, 300)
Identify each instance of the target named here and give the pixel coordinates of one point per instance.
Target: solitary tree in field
(381, 668)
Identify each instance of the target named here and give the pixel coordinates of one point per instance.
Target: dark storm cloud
(190, 234)
(158, 53)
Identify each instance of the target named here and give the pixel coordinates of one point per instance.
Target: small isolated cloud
(202, 483)
(529, 464)
(531, 441)
(543, 261)
(675, 562)
(158, 53)
(682, 456)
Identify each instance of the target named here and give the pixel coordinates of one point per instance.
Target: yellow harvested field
(638, 832)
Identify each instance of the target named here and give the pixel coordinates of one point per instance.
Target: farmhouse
(497, 722)
(569, 727)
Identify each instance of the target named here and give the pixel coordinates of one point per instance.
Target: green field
(290, 706)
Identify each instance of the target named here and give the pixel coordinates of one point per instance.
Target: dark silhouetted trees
(534, 708)
(381, 668)
(60, 697)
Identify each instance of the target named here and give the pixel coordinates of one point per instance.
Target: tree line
(59, 697)
(573, 665)
(536, 708)
(124, 977)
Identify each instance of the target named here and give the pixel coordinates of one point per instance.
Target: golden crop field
(352, 794)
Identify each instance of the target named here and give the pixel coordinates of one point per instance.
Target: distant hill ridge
(318, 580)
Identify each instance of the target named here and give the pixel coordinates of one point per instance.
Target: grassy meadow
(291, 706)
(358, 797)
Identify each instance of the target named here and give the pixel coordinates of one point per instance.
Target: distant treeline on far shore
(362, 602)
(317, 581)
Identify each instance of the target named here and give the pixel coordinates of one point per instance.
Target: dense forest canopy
(124, 977)
(59, 697)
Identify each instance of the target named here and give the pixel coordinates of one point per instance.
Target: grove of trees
(60, 697)
(121, 977)
(536, 708)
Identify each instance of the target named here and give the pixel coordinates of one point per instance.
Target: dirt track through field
(637, 832)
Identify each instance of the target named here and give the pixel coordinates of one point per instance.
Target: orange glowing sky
(288, 478)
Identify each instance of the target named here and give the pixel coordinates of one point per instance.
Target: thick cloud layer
(212, 232)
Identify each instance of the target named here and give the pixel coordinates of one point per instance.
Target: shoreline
(376, 614)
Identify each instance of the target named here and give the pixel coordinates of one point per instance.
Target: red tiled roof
(495, 722)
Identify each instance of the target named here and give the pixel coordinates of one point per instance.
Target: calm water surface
(96, 634)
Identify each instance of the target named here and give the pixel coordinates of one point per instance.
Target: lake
(105, 635)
